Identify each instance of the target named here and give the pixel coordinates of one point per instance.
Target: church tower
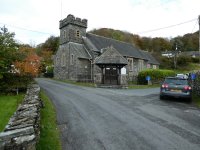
(72, 29)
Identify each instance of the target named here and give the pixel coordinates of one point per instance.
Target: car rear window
(176, 81)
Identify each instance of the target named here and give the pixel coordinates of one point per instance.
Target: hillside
(188, 42)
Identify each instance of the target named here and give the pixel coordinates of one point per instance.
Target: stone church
(84, 56)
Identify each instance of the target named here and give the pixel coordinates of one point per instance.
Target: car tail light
(187, 88)
(165, 86)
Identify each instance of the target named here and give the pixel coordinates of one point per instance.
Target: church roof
(125, 49)
(80, 50)
(150, 58)
(111, 56)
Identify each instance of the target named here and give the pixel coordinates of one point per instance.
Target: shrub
(156, 75)
(183, 60)
(166, 63)
(195, 60)
(49, 72)
(11, 81)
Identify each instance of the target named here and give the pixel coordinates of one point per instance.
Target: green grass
(8, 105)
(49, 133)
(143, 86)
(130, 86)
(77, 83)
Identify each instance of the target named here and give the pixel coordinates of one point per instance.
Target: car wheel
(161, 97)
(189, 100)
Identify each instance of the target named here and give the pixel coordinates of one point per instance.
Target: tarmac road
(114, 119)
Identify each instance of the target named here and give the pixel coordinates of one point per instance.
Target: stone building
(85, 56)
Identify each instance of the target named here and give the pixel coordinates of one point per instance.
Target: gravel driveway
(114, 119)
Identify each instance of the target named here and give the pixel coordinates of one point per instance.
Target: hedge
(10, 82)
(156, 75)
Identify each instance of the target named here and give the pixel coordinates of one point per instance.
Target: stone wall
(23, 130)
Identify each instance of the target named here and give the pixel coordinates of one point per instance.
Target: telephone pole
(175, 57)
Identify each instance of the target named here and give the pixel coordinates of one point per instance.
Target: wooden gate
(111, 76)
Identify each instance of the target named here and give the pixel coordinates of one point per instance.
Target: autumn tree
(30, 64)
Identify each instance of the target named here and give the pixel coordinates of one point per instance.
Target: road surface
(122, 119)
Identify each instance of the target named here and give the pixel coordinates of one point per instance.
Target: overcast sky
(33, 21)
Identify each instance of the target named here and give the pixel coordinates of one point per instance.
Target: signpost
(193, 77)
(148, 78)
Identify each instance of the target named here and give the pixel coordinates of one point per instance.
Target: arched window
(64, 34)
(63, 60)
(130, 64)
(72, 59)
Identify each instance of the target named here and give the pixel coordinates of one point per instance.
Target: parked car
(176, 87)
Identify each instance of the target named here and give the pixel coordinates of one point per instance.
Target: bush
(49, 72)
(195, 60)
(10, 82)
(156, 75)
(166, 63)
(183, 60)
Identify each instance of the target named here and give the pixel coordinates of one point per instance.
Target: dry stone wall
(23, 130)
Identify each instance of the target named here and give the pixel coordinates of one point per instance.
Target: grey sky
(24, 17)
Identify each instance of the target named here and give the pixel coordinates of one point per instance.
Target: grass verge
(143, 86)
(8, 105)
(77, 83)
(49, 133)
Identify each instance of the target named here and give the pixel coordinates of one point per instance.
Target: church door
(111, 76)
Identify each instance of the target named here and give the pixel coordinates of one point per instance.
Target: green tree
(51, 44)
(8, 50)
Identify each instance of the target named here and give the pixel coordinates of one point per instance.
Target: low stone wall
(23, 130)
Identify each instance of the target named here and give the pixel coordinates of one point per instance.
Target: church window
(64, 34)
(141, 65)
(78, 33)
(63, 60)
(57, 60)
(130, 64)
(72, 59)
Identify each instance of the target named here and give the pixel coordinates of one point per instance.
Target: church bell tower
(72, 29)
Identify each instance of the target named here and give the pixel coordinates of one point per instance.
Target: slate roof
(111, 56)
(80, 50)
(191, 53)
(150, 58)
(125, 49)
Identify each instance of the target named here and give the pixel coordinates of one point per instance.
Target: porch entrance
(110, 62)
(111, 76)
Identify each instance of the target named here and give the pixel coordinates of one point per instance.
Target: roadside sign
(148, 78)
(193, 76)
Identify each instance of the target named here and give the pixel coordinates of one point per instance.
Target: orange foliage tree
(30, 62)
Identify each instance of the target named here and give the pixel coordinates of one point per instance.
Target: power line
(194, 26)
(22, 28)
(162, 28)
(142, 32)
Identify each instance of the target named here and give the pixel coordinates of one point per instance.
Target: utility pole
(175, 57)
